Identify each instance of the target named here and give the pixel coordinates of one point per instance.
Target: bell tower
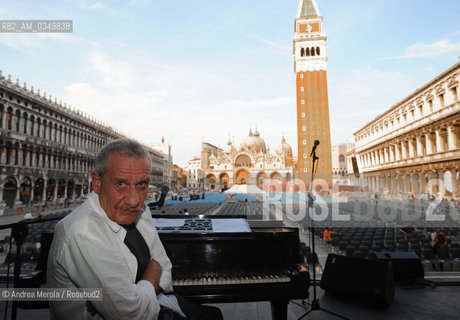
(312, 99)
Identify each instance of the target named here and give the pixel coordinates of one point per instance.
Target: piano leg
(279, 309)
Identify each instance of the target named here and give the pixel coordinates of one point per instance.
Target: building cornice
(410, 97)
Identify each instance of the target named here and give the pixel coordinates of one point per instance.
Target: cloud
(423, 50)
(147, 99)
(24, 42)
(138, 3)
(428, 69)
(358, 96)
(96, 6)
(270, 43)
(100, 7)
(255, 104)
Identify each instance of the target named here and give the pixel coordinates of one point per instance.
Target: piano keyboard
(211, 281)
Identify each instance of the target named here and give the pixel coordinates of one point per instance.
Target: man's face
(123, 187)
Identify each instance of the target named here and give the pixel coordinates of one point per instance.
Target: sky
(210, 70)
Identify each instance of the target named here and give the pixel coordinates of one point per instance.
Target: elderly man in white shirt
(110, 242)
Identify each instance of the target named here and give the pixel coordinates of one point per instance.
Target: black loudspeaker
(406, 265)
(367, 279)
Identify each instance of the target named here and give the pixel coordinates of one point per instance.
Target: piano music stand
(314, 304)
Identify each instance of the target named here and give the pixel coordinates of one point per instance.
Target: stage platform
(441, 302)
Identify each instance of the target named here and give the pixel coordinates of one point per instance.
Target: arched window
(25, 116)
(9, 116)
(312, 51)
(307, 52)
(18, 121)
(243, 161)
(43, 129)
(302, 52)
(38, 128)
(317, 51)
(341, 158)
(1, 115)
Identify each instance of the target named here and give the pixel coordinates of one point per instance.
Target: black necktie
(139, 248)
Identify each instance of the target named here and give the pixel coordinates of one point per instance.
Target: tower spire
(307, 9)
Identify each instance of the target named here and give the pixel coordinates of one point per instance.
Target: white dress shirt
(88, 251)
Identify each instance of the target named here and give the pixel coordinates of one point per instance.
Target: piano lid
(197, 225)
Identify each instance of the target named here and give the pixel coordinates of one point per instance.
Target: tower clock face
(309, 27)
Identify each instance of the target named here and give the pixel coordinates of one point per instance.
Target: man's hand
(152, 273)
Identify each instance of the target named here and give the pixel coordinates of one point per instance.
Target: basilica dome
(283, 147)
(254, 142)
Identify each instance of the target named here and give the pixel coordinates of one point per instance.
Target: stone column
(27, 158)
(14, 121)
(429, 147)
(415, 183)
(455, 182)
(32, 193)
(23, 157)
(12, 156)
(400, 183)
(444, 143)
(422, 182)
(435, 143)
(44, 189)
(411, 148)
(55, 191)
(433, 183)
(29, 127)
(442, 185)
(405, 184)
(391, 153)
(20, 126)
(451, 137)
(397, 152)
(419, 146)
(18, 194)
(382, 183)
(385, 155)
(403, 150)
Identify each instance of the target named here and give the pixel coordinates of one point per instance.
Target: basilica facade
(250, 163)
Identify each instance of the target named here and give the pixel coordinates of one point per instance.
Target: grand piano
(222, 259)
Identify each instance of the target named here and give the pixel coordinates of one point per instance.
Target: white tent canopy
(244, 189)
